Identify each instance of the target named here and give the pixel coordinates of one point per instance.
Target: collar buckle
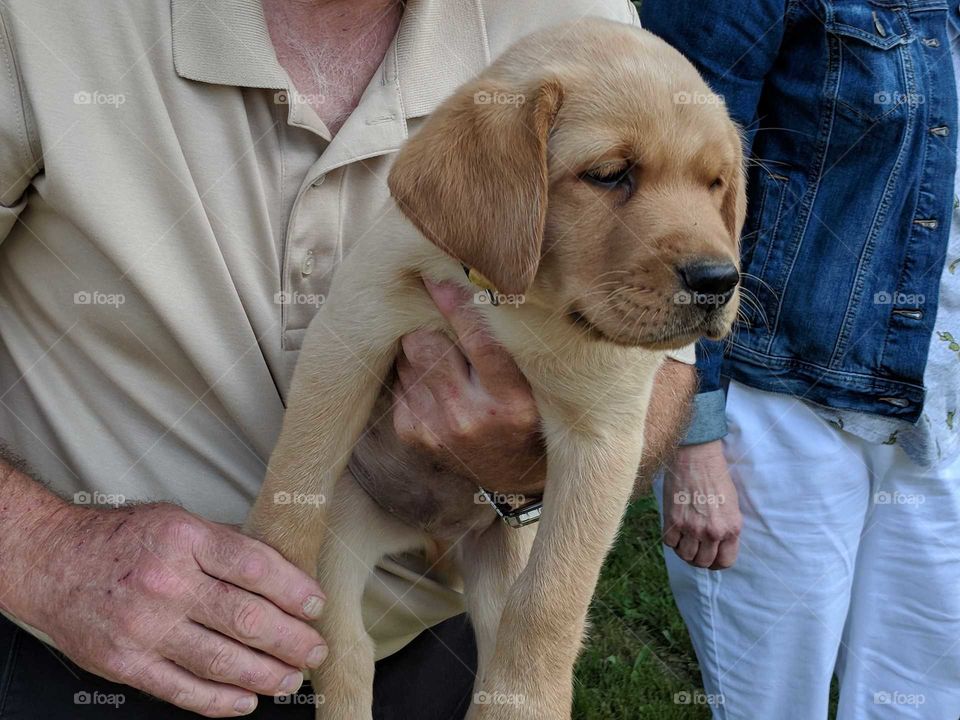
(527, 514)
(481, 282)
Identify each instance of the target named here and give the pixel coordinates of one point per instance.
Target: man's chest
(330, 54)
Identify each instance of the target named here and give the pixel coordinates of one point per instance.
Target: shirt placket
(313, 249)
(314, 242)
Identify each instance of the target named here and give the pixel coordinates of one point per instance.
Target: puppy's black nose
(714, 278)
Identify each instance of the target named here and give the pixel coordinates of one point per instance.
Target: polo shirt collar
(440, 45)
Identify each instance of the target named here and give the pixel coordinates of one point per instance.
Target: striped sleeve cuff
(708, 418)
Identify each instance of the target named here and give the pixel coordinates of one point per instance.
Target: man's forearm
(28, 514)
(667, 418)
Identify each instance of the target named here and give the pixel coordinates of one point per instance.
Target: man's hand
(467, 404)
(701, 511)
(190, 611)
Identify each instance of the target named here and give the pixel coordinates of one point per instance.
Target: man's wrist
(32, 519)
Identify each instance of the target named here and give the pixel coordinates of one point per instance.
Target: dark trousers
(430, 679)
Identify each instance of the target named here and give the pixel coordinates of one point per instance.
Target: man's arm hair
(14, 462)
(29, 514)
(667, 419)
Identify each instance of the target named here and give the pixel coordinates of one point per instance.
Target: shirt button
(306, 267)
(318, 182)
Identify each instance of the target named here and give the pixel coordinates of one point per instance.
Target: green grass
(638, 657)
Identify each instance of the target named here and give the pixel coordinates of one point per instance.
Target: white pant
(849, 562)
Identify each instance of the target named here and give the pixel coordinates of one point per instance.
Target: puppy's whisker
(611, 272)
(751, 301)
(758, 280)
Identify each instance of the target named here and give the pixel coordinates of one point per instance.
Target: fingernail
(313, 606)
(317, 656)
(246, 705)
(291, 683)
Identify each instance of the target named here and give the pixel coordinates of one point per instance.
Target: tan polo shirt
(171, 212)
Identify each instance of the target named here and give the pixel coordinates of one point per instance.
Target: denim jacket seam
(787, 361)
(911, 238)
(854, 300)
(913, 6)
(917, 117)
(784, 188)
(791, 11)
(807, 201)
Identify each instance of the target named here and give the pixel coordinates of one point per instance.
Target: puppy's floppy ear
(734, 206)
(474, 179)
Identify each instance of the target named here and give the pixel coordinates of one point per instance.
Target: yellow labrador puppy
(590, 181)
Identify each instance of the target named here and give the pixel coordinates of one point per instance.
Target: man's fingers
(214, 657)
(435, 362)
(706, 554)
(405, 422)
(450, 300)
(259, 624)
(408, 377)
(167, 681)
(486, 355)
(727, 554)
(411, 393)
(254, 566)
(688, 548)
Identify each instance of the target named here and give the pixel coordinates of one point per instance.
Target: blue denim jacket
(850, 113)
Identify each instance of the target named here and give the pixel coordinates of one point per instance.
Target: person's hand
(467, 404)
(701, 511)
(190, 611)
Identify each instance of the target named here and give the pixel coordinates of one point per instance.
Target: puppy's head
(591, 168)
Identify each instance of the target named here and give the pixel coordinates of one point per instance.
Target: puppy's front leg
(491, 562)
(589, 480)
(338, 376)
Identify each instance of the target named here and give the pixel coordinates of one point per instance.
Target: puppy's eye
(610, 178)
(716, 184)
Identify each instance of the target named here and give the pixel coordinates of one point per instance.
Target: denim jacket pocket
(869, 66)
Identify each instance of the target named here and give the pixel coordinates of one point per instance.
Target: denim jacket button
(931, 42)
(929, 224)
(896, 402)
(911, 313)
(881, 30)
(940, 130)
